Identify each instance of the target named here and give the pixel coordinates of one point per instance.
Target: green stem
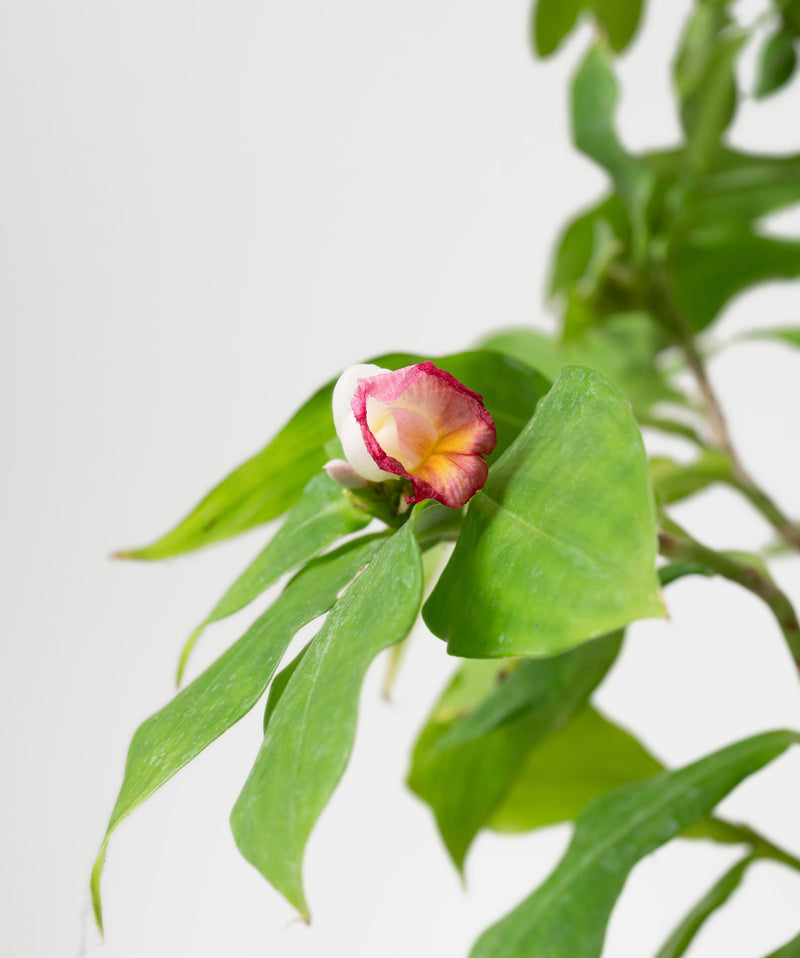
(685, 549)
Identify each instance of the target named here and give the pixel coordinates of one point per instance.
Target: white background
(206, 210)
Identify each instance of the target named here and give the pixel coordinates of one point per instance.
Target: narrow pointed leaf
(324, 514)
(674, 481)
(678, 942)
(228, 688)
(310, 733)
(559, 546)
(566, 917)
(788, 334)
(790, 950)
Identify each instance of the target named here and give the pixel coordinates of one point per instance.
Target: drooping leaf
(594, 101)
(623, 349)
(323, 515)
(464, 780)
(577, 763)
(310, 733)
(620, 19)
(776, 63)
(267, 485)
(714, 899)
(559, 546)
(710, 268)
(674, 481)
(228, 688)
(566, 917)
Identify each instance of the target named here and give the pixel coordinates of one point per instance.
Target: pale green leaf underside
(566, 916)
(310, 733)
(228, 688)
(559, 547)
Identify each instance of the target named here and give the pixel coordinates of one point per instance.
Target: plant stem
(686, 549)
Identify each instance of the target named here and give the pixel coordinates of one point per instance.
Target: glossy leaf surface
(310, 733)
(228, 688)
(566, 916)
(559, 546)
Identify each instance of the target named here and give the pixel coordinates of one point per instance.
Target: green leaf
(566, 916)
(323, 515)
(594, 101)
(551, 22)
(710, 268)
(776, 64)
(575, 245)
(465, 779)
(577, 763)
(228, 688)
(559, 545)
(272, 481)
(674, 481)
(623, 348)
(715, 898)
(278, 685)
(310, 734)
(620, 19)
(787, 334)
(790, 950)
(705, 80)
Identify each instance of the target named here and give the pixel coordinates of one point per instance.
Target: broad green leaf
(310, 734)
(273, 480)
(594, 101)
(788, 334)
(551, 22)
(228, 688)
(577, 763)
(559, 546)
(566, 917)
(674, 481)
(715, 898)
(623, 348)
(323, 515)
(710, 268)
(790, 950)
(465, 781)
(776, 63)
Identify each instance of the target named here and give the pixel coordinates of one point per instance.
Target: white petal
(344, 474)
(348, 430)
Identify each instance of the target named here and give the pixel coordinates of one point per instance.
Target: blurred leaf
(566, 916)
(464, 782)
(705, 80)
(268, 484)
(553, 20)
(577, 763)
(715, 898)
(310, 734)
(673, 481)
(787, 334)
(623, 348)
(776, 63)
(564, 531)
(574, 248)
(228, 688)
(710, 268)
(594, 101)
(790, 950)
(323, 515)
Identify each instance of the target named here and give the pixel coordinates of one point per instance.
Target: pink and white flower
(418, 423)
